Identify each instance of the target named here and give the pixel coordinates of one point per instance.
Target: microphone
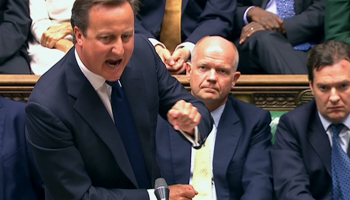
(161, 189)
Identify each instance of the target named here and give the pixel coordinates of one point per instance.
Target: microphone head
(160, 182)
(161, 189)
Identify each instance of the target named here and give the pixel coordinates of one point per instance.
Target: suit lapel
(227, 137)
(320, 142)
(88, 102)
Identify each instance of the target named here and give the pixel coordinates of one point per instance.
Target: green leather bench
(275, 117)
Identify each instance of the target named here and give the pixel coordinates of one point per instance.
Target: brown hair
(81, 10)
(326, 54)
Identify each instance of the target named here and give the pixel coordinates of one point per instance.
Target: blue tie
(340, 167)
(285, 10)
(125, 124)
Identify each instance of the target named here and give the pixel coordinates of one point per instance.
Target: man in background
(237, 149)
(274, 36)
(14, 29)
(175, 26)
(310, 156)
(19, 177)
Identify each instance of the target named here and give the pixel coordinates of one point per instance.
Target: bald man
(240, 139)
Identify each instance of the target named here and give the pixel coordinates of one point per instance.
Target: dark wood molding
(271, 92)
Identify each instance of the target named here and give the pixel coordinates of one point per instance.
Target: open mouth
(113, 63)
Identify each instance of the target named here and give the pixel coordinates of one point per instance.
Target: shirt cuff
(188, 45)
(245, 15)
(156, 42)
(151, 194)
(196, 140)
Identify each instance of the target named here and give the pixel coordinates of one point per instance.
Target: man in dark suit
(270, 42)
(302, 152)
(80, 152)
(14, 29)
(240, 139)
(19, 177)
(198, 19)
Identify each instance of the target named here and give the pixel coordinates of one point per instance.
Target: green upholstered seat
(275, 117)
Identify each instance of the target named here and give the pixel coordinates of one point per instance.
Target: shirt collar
(326, 123)
(96, 81)
(217, 114)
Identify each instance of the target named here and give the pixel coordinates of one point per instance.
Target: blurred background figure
(175, 26)
(273, 37)
(19, 178)
(52, 33)
(14, 29)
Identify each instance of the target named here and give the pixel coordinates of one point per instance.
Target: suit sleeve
(291, 180)
(337, 26)
(257, 172)
(60, 163)
(171, 91)
(307, 25)
(215, 19)
(35, 178)
(238, 18)
(14, 28)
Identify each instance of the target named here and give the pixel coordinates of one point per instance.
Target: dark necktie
(124, 122)
(340, 167)
(285, 10)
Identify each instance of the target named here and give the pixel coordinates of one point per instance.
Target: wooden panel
(271, 92)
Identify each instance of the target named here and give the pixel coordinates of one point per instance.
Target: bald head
(219, 45)
(212, 71)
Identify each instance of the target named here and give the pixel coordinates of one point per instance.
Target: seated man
(194, 20)
(273, 37)
(19, 178)
(239, 144)
(51, 31)
(14, 29)
(309, 157)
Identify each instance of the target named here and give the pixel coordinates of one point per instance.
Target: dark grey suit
(273, 53)
(199, 18)
(301, 156)
(14, 29)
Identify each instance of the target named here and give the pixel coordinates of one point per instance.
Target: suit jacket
(19, 178)
(306, 26)
(199, 18)
(301, 156)
(14, 28)
(337, 26)
(78, 149)
(241, 163)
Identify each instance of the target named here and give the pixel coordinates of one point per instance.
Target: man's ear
(235, 78)
(311, 87)
(78, 35)
(188, 69)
